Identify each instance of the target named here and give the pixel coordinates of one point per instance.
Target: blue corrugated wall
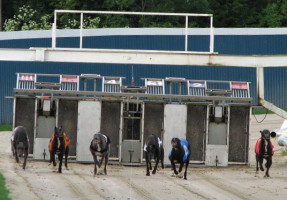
(275, 82)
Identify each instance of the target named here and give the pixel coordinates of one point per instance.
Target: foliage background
(38, 14)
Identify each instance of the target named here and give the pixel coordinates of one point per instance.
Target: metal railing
(186, 15)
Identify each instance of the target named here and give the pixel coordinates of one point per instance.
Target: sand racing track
(40, 181)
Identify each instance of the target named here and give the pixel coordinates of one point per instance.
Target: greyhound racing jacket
(184, 143)
(67, 141)
(257, 146)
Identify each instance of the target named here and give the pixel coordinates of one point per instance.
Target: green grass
(260, 111)
(284, 152)
(6, 127)
(3, 191)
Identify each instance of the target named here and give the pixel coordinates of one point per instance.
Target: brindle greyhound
(180, 153)
(100, 146)
(264, 150)
(59, 144)
(153, 150)
(20, 144)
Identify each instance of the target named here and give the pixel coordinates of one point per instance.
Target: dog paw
(267, 176)
(173, 175)
(180, 175)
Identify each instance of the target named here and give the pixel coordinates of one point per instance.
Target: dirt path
(40, 181)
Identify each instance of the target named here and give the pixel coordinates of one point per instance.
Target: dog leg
(257, 167)
(268, 165)
(25, 158)
(106, 162)
(180, 167)
(147, 164)
(96, 162)
(60, 164)
(185, 172)
(156, 164)
(261, 163)
(52, 159)
(66, 157)
(173, 167)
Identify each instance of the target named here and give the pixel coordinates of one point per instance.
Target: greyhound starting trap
(212, 115)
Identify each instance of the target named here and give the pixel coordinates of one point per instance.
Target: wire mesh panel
(112, 84)
(68, 119)
(25, 81)
(240, 89)
(239, 134)
(154, 86)
(69, 82)
(196, 88)
(196, 131)
(25, 116)
(110, 124)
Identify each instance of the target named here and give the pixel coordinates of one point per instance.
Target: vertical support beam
(186, 33)
(54, 28)
(81, 31)
(142, 131)
(260, 84)
(54, 35)
(121, 132)
(211, 46)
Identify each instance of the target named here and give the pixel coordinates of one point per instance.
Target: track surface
(40, 181)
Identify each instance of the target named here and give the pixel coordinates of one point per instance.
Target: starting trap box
(212, 115)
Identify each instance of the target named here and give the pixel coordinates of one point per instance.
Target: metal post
(54, 35)
(260, 83)
(81, 31)
(211, 48)
(54, 28)
(186, 32)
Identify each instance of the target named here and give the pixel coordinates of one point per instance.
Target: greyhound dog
(59, 144)
(179, 153)
(153, 150)
(100, 146)
(264, 149)
(20, 144)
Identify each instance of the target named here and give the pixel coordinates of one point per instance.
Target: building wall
(227, 41)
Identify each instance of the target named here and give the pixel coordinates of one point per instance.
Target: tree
(26, 19)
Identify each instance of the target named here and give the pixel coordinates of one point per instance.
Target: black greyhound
(153, 150)
(180, 153)
(264, 150)
(100, 146)
(59, 144)
(20, 144)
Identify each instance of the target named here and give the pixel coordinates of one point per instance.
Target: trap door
(196, 131)
(89, 121)
(110, 125)
(131, 133)
(24, 115)
(45, 125)
(239, 134)
(217, 139)
(175, 116)
(67, 118)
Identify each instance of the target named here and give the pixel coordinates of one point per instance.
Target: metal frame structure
(82, 13)
(132, 102)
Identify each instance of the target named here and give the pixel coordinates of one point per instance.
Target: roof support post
(260, 83)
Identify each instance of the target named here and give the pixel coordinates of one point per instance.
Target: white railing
(186, 15)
